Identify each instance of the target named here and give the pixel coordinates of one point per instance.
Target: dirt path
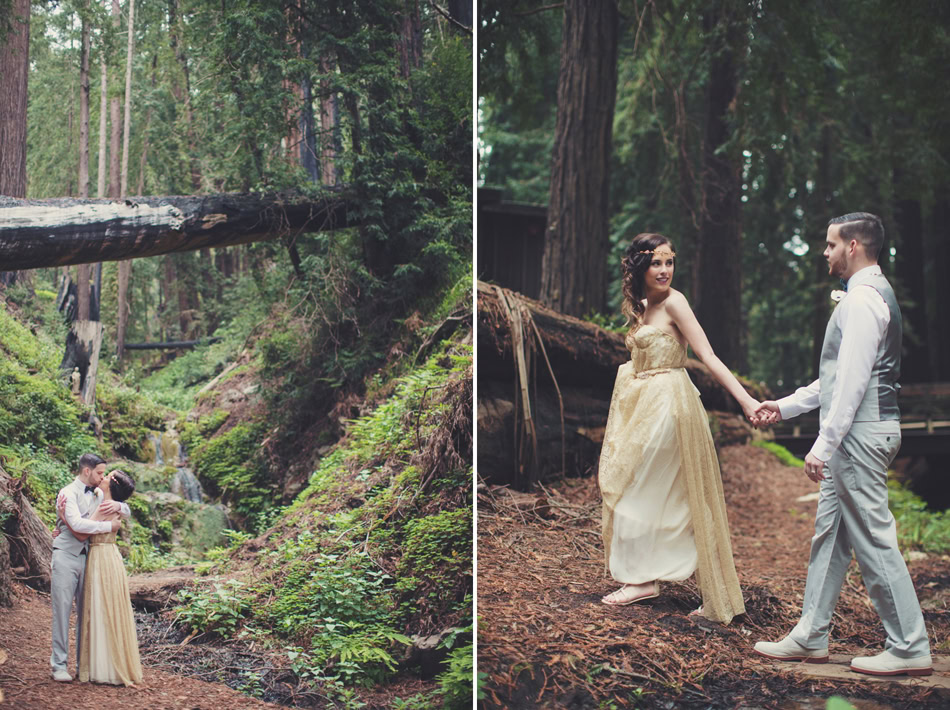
(545, 640)
(26, 683)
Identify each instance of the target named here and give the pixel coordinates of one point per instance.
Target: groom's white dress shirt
(863, 317)
(80, 502)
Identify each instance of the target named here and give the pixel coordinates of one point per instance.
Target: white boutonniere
(837, 295)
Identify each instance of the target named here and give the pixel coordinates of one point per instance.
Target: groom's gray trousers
(67, 578)
(853, 514)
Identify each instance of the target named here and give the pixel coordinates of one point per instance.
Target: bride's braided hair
(636, 260)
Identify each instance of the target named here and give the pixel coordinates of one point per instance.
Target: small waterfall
(155, 441)
(187, 485)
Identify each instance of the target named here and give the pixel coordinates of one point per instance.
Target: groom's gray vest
(880, 400)
(66, 541)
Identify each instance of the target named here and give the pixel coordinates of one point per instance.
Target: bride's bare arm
(684, 318)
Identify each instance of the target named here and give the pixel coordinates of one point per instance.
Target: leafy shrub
(437, 549)
(917, 527)
(220, 609)
(456, 681)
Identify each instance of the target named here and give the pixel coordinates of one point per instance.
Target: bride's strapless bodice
(102, 538)
(652, 348)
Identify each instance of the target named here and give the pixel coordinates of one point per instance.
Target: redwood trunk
(84, 109)
(718, 301)
(15, 61)
(28, 544)
(574, 261)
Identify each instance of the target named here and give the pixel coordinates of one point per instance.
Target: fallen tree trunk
(29, 543)
(584, 359)
(172, 344)
(62, 231)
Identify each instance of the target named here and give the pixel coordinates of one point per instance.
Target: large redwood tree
(574, 262)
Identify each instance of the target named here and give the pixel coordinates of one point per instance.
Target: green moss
(228, 464)
(781, 453)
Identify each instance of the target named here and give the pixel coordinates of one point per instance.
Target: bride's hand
(750, 409)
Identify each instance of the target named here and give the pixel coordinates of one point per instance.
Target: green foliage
(229, 463)
(128, 418)
(438, 549)
(836, 702)
(917, 527)
(219, 608)
(781, 453)
(456, 681)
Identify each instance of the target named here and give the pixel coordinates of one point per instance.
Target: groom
(858, 437)
(81, 499)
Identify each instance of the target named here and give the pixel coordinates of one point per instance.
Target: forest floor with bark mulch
(178, 673)
(545, 640)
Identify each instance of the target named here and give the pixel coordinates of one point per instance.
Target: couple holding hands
(664, 515)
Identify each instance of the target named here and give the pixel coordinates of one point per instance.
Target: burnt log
(172, 344)
(584, 359)
(64, 231)
(28, 545)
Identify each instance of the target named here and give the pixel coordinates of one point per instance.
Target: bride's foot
(696, 612)
(631, 593)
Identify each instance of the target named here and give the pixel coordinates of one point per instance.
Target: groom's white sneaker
(62, 676)
(789, 650)
(888, 664)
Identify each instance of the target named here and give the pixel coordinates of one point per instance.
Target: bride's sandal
(625, 595)
(696, 612)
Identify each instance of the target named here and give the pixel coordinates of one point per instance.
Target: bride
(109, 652)
(664, 515)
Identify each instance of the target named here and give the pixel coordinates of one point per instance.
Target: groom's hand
(769, 413)
(814, 468)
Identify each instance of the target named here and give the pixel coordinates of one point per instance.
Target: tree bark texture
(410, 38)
(329, 126)
(15, 62)
(125, 272)
(29, 542)
(574, 262)
(103, 125)
(84, 108)
(41, 233)
(115, 186)
(124, 187)
(718, 301)
(584, 359)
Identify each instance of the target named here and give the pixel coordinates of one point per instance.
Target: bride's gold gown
(664, 514)
(109, 652)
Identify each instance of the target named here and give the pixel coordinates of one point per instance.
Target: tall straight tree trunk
(329, 126)
(125, 267)
(115, 185)
(15, 63)
(103, 125)
(84, 106)
(124, 187)
(817, 216)
(148, 124)
(718, 298)
(183, 94)
(574, 261)
(409, 43)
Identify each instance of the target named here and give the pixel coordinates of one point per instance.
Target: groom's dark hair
(90, 461)
(865, 227)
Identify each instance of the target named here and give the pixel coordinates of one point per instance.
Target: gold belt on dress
(643, 374)
(101, 543)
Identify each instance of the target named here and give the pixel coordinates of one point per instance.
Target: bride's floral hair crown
(662, 250)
